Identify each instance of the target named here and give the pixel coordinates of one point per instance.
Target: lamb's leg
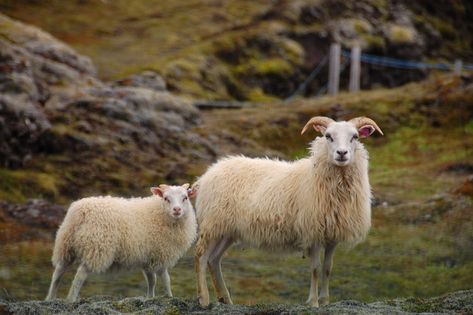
(216, 270)
(166, 281)
(203, 250)
(314, 253)
(77, 283)
(56, 278)
(324, 294)
(150, 278)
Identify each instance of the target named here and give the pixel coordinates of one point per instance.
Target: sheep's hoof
(313, 303)
(204, 302)
(224, 301)
(324, 300)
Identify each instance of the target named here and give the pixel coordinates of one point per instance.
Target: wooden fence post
(355, 68)
(334, 69)
(457, 67)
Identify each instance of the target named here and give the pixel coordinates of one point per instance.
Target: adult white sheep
(150, 233)
(309, 204)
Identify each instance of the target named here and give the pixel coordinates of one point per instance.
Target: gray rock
(453, 303)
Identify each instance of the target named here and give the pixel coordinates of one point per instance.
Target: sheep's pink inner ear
(192, 192)
(365, 131)
(319, 128)
(156, 191)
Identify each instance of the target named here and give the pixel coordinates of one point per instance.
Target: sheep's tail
(63, 252)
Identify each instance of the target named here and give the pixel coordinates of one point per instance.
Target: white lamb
(150, 233)
(309, 204)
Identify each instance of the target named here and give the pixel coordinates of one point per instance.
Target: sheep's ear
(156, 191)
(319, 128)
(365, 131)
(186, 186)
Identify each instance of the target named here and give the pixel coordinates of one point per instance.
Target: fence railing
(356, 58)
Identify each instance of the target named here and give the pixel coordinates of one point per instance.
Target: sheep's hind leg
(150, 278)
(314, 253)
(166, 281)
(328, 262)
(56, 278)
(77, 283)
(215, 269)
(203, 250)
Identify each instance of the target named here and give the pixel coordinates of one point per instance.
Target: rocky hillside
(252, 50)
(59, 119)
(454, 303)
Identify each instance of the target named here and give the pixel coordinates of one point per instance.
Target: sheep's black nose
(342, 152)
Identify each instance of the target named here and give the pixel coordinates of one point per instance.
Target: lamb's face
(342, 138)
(175, 199)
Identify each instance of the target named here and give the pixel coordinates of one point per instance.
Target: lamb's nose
(176, 210)
(342, 152)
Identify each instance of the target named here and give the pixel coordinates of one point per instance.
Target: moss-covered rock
(457, 302)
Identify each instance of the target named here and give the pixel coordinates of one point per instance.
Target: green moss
(469, 127)
(373, 41)
(398, 34)
(265, 67)
(361, 26)
(257, 95)
(17, 186)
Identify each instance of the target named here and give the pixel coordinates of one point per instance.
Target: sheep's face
(342, 138)
(175, 199)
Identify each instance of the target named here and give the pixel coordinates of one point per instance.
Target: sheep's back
(245, 198)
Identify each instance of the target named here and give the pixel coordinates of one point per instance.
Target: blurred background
(111, 97)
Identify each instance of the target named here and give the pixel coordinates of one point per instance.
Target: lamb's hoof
(324, 300)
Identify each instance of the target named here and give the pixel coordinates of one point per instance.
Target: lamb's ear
(186, 186)
(156, 191)
(319, 123)
(192, 192)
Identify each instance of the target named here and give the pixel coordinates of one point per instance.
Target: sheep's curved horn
(317, 121)
(362, 121)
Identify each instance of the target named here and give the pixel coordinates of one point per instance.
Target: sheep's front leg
(166, 281)
(77, 283)
(150, 278)
(314, 253)
(324, 294)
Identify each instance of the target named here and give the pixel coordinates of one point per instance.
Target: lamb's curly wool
(101, 231)
(109, 232)
(309, 204)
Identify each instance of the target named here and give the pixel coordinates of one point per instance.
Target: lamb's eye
(184, 199)
(354, 137)
(329, 138)
(166, 199)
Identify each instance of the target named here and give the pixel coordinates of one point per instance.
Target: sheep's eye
(166, 199)
(329, 138)
(184, 199)
(354, 137)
